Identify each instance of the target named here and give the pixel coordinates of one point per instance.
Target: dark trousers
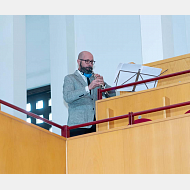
(81, 131)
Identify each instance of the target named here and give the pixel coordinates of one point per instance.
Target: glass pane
(50, 116)
(38, 121)
(28, 107)
(28, 120)
(39, 104)
(49, 102)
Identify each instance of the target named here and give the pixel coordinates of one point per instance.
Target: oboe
(101, 86)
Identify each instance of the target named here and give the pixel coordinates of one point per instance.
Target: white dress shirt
(85, 79)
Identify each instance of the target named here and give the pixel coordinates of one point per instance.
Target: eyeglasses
(88, 61)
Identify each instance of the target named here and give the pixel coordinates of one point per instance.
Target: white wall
(167, 36)
(59, 69)
(151, 36)
(13, 63)
(6, 61)
(38, 51)
(179, 35)
(53, 44)
(187, 20)
(111, 39)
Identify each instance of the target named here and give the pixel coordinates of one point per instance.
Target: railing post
(65, 132)
(131, 118)
(68, 132)
(99, 94)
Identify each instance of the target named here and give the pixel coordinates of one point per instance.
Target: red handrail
(131, 115)
(157, 109)
(140, 82)
(161, 108)
(31, 114)
(65, 130)
(99, 121)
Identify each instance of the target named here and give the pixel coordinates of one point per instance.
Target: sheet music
(127, 73)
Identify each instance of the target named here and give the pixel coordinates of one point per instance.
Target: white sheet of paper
(127, 73)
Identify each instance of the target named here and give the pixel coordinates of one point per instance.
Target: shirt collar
(84, 74)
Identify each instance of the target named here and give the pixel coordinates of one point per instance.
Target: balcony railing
(65, 130)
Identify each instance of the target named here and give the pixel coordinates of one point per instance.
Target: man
(80, 92)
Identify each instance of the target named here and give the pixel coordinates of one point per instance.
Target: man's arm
(100, 78)
(70, 94)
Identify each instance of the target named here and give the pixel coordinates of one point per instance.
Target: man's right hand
(97, 82)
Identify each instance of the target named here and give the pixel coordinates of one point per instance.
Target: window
(39, 102)
(50, 116)
(28, 120)
(49, 102)
(28, 107)
(38, 121)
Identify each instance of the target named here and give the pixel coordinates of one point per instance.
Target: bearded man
(80, 92)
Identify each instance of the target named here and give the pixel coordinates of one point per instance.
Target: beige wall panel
(160, 147)
(180, 63)
(29, 149)
(91, 153)
(144, 100)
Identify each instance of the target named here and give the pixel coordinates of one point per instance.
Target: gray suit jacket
(81, 105)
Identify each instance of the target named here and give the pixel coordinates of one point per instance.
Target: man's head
(85, 62)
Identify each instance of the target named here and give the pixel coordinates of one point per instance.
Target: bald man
(80, 92)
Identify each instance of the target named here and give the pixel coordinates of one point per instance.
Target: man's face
(84, 66)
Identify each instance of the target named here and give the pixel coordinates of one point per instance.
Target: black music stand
(139, 75)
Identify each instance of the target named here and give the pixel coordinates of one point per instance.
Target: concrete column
(164, 36)
(167, 36)
(151, 37)
(13, 63)
(187, 21)
(62, 62)
(180, 35)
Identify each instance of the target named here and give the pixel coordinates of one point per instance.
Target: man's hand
(97, 82)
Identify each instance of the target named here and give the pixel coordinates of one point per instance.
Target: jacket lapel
(93, 90)
(80, 79)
